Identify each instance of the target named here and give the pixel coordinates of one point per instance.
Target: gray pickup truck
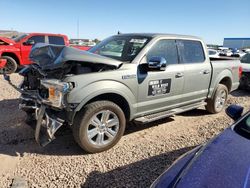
(127, 77)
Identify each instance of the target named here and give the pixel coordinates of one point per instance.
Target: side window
(190, 51)
(37, 39)
(166, 49)
(56, 40)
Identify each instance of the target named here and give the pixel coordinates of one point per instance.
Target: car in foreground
(245, 78)
(127, 77)
(222, 162)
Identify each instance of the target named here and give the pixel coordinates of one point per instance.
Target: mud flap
(45, 134)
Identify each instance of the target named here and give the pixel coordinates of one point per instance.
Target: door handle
(206, 72)
(179, 75)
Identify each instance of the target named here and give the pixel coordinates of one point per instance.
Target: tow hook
(46, 126)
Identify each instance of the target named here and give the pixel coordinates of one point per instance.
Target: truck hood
(6, 41)
(50, 57)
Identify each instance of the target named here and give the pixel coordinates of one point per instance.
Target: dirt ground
(140, 156)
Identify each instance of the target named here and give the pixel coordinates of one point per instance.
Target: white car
(238, 53)
(213, 53)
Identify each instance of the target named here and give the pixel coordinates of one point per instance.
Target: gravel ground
(141, 155)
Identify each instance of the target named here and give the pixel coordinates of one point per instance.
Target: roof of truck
(160, 35)
(46, 34)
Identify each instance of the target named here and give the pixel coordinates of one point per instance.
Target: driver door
(160, 90)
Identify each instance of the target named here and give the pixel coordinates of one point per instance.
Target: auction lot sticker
(159, 87)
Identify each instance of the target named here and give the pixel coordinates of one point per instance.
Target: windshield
(243, 127)
(20, 37)
(123, 48)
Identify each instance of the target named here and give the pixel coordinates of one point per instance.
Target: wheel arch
(12, 55)
(115, 98)
(225, 78)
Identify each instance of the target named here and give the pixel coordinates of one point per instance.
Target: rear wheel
(99, 126)
(217, 103)
(11, 65)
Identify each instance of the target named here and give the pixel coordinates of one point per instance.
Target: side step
(168, 113)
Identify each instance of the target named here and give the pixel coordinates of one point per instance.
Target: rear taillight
(240, 72)
(3, 63)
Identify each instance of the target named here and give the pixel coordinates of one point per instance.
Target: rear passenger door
(197, 70)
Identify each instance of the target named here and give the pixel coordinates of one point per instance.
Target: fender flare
(224, 74)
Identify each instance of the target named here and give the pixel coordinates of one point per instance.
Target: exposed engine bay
(55, 62)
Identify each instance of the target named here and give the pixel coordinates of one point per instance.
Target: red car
(16, 51)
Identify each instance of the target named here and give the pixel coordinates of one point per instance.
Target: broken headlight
(56, 91)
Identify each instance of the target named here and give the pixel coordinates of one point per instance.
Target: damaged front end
(46, 105)
(43, 91)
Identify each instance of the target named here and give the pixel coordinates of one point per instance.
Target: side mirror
(157, 63)
(234, 111)
(29, 42)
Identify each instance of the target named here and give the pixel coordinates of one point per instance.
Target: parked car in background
(127, 77)
(238, 53)
(245, 79)
(222, 162)
(16, 50)
(81, 47)
(213, 53)
(223, 51)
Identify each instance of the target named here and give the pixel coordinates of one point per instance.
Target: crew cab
(16, 51)
(127, 77)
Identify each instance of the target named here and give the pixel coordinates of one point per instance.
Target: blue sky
(212, 20)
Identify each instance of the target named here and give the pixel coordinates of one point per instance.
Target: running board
(168, 113)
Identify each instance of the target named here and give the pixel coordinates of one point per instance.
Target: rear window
(243, 127)
(56, 40)
(190, 51)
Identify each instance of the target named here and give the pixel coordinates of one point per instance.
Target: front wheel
(218, 101)
(11, 65)
(99, 126)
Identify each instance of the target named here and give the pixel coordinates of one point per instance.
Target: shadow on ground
(195, 112)
(138, 174)
(17, 138)
(240, 93)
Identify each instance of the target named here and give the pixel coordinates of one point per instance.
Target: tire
(217, 103)
(90, 133)
(11, 65)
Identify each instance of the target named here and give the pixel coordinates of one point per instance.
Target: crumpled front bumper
(47, 123)
(50, 124)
